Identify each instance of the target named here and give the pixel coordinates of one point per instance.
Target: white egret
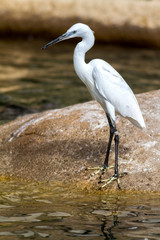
(106, 86)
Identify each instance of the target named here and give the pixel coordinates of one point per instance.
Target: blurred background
(31, 80)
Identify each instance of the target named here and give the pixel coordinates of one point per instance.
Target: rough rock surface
(58, 145)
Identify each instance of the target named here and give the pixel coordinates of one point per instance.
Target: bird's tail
(138, 123)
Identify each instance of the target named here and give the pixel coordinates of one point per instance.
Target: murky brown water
(35, 80)
(38, 211)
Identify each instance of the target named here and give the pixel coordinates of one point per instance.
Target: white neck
(79, 54)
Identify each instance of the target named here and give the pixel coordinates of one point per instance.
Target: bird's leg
(105, 166)
(116, 173)
(112, 130)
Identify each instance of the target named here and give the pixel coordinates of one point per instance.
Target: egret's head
(77, 30)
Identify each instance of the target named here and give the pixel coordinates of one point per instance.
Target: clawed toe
(98, 170)
(102, 170)
(111, 179)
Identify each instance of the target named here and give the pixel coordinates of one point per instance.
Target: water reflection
(34, 80)
(38, 211)
(108, 232)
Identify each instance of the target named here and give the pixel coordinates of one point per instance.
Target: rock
(58, 145)
(135, 22)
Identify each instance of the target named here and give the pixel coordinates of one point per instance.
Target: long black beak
(59, 39)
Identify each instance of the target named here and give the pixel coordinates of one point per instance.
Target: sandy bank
(134, 22)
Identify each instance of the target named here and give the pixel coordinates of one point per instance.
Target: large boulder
(58, 145)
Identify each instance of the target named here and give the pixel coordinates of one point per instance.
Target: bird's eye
(74, 31)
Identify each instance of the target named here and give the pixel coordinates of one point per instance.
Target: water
(34, 80)
(38, 211)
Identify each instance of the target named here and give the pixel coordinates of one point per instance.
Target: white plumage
(104, 83)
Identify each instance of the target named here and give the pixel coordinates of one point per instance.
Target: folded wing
(113, 88)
